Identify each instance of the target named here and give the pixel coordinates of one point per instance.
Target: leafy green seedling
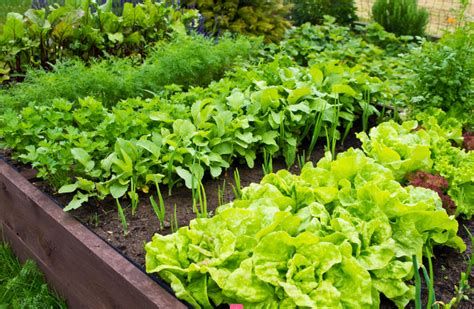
(282, 129)
(267, 162)
(194, 195)
(366, 112)
(347, 130)
(160, 211)
(174, 221)
(316, 131)
(429, 279)
(133, 196)
(202, 198)
(301, 160)
(170, 170)
(220, 194)
(122, 218)
(417, 284)
(237, 188)
(337, 109)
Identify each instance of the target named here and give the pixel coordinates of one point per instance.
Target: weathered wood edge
(80, 266)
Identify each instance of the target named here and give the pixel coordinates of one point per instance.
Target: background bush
(313, 11)
(402, 17)
(259, 17)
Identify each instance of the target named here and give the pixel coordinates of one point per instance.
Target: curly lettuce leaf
(337, 235)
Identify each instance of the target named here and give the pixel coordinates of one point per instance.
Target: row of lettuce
(338, 235)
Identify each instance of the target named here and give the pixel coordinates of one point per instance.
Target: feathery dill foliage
(194, 61)
(187, 61)
(108, 80)
(402, 17)
(23, 286)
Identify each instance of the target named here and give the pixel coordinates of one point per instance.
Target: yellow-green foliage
(261, 17)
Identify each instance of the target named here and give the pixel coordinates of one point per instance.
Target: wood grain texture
(79, 265)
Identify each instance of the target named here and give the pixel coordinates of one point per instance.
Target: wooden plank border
(79, 265)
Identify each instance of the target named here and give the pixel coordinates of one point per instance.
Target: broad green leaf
(344, 89)
(236, 100)
(118, 190)
(317, 75)
(154, 178)
(151, 147)
(115, 37)
(14, 28)
(187, 176)
(296, 94)
(68, 188)
(77, 201)
(184, 129)
(83, 157)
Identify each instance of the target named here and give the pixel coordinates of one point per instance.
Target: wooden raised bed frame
(81, 267)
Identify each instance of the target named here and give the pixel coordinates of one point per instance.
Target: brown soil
(102, 218)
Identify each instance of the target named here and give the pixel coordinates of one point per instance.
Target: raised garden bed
(354, 231)
(81, 260)
(82, 267)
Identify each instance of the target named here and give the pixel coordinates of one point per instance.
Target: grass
(23, 286)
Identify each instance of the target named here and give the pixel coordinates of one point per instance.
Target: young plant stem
(347, 130)
(301, 160)
(170, 174)
(122, 218)
(428, 285)
(194, 195)
(430, 282)
(220, 193)
(237, 188)
(133, 196)
(334, 128)
(160, 211)
(316, 131)
(328, 142)
(365, 113)
(417, 284)
(174, 221)
(282, 130)
(267, 162)
(202, 213)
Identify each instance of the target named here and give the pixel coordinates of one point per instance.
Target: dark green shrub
(402, 17)
(313, 11)
(260, 17)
